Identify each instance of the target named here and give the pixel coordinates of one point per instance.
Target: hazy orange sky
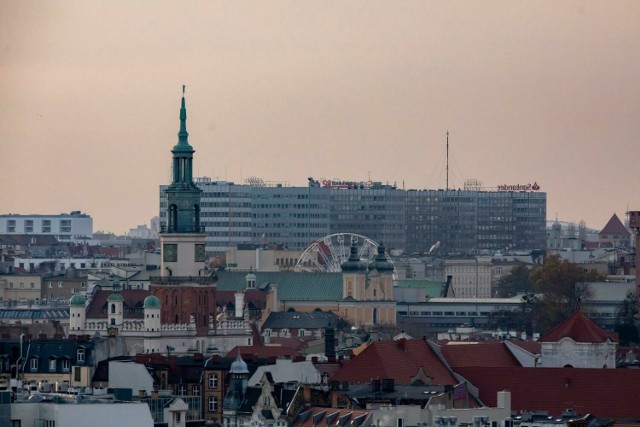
(544, 91)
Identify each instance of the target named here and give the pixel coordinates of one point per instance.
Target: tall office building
(455, 221)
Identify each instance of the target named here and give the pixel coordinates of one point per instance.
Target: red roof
(489, 354)
(579, 328)
(614, 227)
(132, 298)
(603, 393)
(400, 360)
(533, 347)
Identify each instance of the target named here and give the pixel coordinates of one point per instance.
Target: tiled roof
(600, 392)
(533, 347)
(579, 328)
(487, 354)
(614, 226)
(292, 286)
(399, 360)
(132, 298)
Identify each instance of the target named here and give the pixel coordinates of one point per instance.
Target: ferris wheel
(330, 252)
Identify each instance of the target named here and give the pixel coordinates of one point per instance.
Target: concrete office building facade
(460, 221)
(75, 227)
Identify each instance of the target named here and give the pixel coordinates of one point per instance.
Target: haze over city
(543, 92)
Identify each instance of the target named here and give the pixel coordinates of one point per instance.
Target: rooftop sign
(335, 183)
(519, 187)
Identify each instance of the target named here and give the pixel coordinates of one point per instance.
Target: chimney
(334, 398)
(504, 400)
(330, 343)
(239, 304)
(306, 394)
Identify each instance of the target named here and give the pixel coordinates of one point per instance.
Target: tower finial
(183, 88)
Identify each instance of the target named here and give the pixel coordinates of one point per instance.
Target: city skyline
(528, 91)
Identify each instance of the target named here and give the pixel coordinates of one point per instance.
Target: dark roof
(399, 360)
(614, 226)
(132, 298)
(292, 286)
(35, 313)
(488, 354)
(579, 328)
(317, 416)
(601, 392)
(28, 239)
(262, 351)
(300, 320)
(252, 298)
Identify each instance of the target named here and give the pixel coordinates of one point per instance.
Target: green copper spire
(183, 196)
(183, 135)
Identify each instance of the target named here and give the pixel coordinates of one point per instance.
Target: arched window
(113, 308)
(173, 217)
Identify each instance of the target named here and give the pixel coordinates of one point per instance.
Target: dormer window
(80, 353)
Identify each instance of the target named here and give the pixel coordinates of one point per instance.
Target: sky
(529, 91)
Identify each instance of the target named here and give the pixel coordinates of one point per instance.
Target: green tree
(560, 284)
(626, 320)
(517, 281)
(520, 320)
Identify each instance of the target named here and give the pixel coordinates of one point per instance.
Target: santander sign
(519, 187)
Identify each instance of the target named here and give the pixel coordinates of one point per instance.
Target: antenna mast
(447, 160)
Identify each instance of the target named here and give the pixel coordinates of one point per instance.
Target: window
(65, 365)
(213, 381)
(65, 226)
(80, 355)
(196, 390)
(213, 404)
(33, 364)
(46, 226)
(400, 422)
(52, 364)
(28, 226)
(77, 374)
(177, 417)
(182, 390)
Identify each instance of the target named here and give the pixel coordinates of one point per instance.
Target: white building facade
(74, 227)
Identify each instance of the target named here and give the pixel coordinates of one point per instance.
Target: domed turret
(152, 301)
(239, 366)
(152, 313)
(77, 313)
(353, 264)
(77, 301)
(381, 263)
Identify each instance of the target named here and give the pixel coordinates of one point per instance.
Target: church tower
(183, 240)
(185, 291)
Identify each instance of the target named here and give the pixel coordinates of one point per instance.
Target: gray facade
(464, 222)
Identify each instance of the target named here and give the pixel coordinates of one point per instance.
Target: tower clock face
(185, 204)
